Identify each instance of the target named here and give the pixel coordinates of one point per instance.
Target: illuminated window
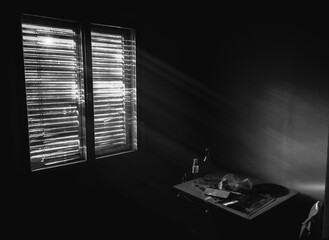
(113, 61)
(58, 86)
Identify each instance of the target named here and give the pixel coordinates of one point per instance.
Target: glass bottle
(195, 168)
(206, 163)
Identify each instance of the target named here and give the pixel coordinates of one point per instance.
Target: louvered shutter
(54, 91)
(114, 89)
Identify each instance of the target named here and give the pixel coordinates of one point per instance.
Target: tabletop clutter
(233, 192)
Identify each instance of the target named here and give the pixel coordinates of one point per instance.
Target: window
(57, 90)
(113, 61)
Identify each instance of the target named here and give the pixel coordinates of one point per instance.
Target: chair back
(311, 228)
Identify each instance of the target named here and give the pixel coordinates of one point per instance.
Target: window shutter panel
(54, 91)
(114, 89)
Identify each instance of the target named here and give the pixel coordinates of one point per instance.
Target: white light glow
(47, 40)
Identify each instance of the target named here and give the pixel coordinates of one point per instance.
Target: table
(196, 189)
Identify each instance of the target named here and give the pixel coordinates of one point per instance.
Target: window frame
(85, 36)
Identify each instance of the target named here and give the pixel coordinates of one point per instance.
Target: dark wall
(326, 201)
(274, 86)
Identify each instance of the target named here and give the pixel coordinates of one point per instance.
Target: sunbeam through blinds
(54, 92)
(114, 90)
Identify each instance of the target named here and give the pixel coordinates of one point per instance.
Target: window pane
(114, 87)
(54, 91)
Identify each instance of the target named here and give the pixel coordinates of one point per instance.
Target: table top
(246, 204)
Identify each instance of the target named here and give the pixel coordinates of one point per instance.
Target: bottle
(206, 158)
(206, 163)
(195, 168)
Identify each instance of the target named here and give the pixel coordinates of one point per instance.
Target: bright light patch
(48, 40)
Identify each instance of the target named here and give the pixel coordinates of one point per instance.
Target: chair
(311, 228)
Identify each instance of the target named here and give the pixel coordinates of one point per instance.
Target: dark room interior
(251, 86)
